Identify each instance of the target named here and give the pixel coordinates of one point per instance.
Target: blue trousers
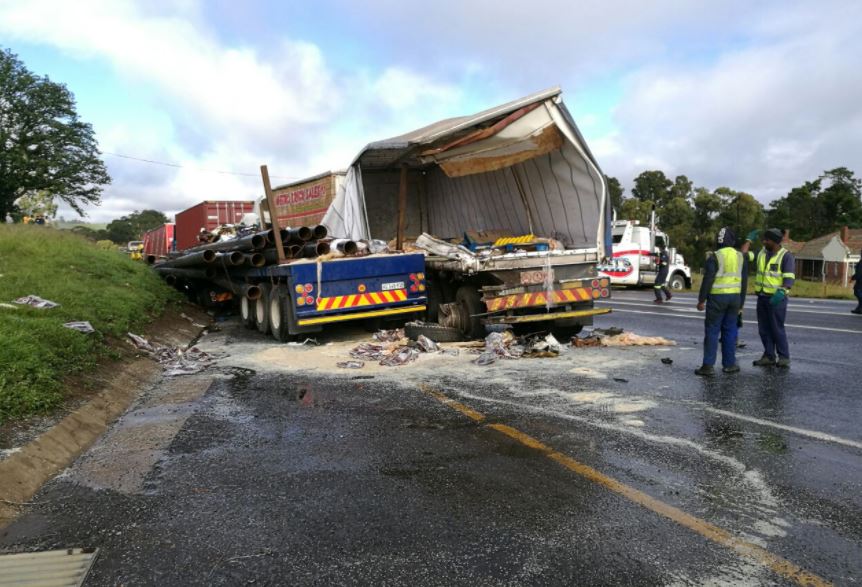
(770, 324)
(721, 313)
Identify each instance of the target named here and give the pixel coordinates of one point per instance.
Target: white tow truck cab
(635, 257)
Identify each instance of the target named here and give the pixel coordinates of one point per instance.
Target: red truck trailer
(159, 241)
(208, 215)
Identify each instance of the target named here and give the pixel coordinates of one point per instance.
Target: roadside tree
(46, 148)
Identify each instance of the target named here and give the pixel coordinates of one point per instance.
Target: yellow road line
(712, 532)
(469, 412)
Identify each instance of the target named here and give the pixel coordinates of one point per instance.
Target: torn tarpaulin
(36, 302)
(175, 361)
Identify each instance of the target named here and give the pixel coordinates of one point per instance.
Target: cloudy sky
(758, 96)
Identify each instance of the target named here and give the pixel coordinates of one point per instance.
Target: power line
(178, 166)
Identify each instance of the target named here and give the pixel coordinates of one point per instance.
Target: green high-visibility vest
(769, 276)
(728, 280)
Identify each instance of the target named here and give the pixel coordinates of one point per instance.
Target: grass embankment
(801, 289)
(106, 288)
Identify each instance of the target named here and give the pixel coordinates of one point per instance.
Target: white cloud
(231, 107)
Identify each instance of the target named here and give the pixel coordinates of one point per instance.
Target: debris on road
(667, 361)
(401, 356)
(389, 335)
(84, 327)
(350, 364)
(621, 380)
(8, 306)
(426, 344)
(36, 302)
(614, 337)
(175, 361)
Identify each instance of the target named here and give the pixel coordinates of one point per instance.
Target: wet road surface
(601, 466)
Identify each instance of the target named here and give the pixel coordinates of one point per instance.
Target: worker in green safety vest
(775, 276)
(722, 295)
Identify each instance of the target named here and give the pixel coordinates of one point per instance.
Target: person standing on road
(661, 277)
(857, 285)
(722, 295)
(774, 278)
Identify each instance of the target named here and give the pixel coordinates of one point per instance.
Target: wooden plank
(402, 208)
(273, 214)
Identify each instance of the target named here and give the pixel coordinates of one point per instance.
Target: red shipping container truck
(209, 215)
(159, 241)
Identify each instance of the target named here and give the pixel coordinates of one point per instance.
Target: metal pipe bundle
(315, 249)
(254, 259)
(251, 242)
(191, 260)
(348, 247)
(297, 235)
(208, 272)
(232, 258)
(319, 232)
(248, 290)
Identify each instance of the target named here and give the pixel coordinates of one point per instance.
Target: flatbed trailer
(304, 296)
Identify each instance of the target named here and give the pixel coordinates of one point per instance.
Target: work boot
(856, 311)
(657, 302)
(783, 362)
(669, 296)
(764, 361)
(731, 369)
(705, 371)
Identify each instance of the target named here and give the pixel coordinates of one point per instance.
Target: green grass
(104, 287)
(801, 289)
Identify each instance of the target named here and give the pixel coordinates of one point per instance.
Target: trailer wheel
(247, 312)
(676, 282)
(261, 309)
(471, 304)
(436, 332)
(278, 314)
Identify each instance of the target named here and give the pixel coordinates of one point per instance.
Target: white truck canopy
(522, 167)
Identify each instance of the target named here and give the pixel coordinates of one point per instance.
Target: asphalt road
(600, 466)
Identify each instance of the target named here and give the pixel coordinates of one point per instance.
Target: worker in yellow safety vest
(775, 276)
(722, 295)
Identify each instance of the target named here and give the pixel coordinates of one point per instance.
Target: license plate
(393, 285)
(533, 277)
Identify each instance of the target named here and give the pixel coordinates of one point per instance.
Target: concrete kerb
(24, 472)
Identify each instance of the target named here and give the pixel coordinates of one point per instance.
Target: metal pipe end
(209, 256)
(236, 258)
(258, 241)
(319, 232)
(253, 292)
(151, 259)
(256, 259)
(171, 279)
(323, 248)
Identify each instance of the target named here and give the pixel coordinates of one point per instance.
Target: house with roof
(829, 258)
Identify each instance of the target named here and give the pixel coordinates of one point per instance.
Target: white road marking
(681, 315)
(799, 431)
(678, 308)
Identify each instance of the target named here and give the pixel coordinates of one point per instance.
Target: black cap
(773, 234)
(725, 237)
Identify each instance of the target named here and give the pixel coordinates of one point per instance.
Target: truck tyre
(434, 295)
(471, 304)
(676, 282)
(436, 332)
(247, 311)
(261, 309)
(278, 314)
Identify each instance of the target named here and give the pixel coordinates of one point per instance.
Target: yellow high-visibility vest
(769, 277)
(728, 280)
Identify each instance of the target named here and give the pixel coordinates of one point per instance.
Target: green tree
(634, 209)
(652, 186)
(682, 188)
(740, 211)
(812, 210)
(707, 207)
(132, 227)
(44, 147)
(676, 219)
(615, 192)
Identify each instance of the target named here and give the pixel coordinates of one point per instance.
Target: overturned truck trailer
(509, 206)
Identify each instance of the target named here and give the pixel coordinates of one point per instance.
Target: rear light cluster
(600, 288)
(417, 282)
(304, 297)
